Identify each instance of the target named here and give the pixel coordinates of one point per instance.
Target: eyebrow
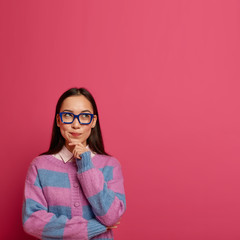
(86, 111)
(67, 110)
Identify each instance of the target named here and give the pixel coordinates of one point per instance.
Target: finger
(113, 227)
(72, 143)
(76, 142)
(75, 153)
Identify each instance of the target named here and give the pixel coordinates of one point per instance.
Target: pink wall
(165, 75)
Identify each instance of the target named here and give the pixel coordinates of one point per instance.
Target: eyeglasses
(83, 118)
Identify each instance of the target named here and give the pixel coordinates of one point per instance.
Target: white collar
(66, 156)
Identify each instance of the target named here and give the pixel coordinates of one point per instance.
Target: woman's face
(76, 132)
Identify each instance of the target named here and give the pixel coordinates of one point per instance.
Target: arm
(106, 198)
(41, 223)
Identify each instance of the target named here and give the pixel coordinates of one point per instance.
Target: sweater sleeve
(43, 224)
(103, 188)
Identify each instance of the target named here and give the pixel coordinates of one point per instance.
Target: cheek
(64, 129)
(87, 131)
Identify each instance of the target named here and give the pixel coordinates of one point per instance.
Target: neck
(70, 148)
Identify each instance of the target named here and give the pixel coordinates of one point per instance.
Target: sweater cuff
(95, 228)
(85, 163)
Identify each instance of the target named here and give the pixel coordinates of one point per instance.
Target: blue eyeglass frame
(76, 116)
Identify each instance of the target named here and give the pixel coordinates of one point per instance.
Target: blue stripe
(121, 197)
(60, 210)
(107, 173)
(85, 163)
(87, 212)
(102, 201)
(29, 207)
(48, 178)
(54, 229)
(37, 182)
(94, 228)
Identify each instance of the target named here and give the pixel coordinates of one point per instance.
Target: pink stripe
(117, 173)
(84, 201)
(32, 174)
(45, 162)
(35, 193)
(106, 235)
(92, 182)
(116, 186)
(52, 167)
(117, 183)
(101, 162)
(114, 213)
(57, 196)
(77, 231)
(36, 222)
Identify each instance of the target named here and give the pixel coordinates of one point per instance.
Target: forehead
(76, 104)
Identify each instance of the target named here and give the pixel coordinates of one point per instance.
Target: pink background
(165, 75)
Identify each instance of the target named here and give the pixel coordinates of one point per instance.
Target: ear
(58, 120)
(94, 121)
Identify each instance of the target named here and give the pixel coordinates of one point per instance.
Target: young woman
(75, 189)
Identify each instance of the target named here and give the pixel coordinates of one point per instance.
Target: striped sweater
(73, 200)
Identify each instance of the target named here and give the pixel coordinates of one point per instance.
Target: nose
(75, 123)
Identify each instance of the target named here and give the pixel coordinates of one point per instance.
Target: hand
(114, 226)
(78, 147)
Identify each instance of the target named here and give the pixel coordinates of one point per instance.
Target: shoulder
(41, 160)
(45, 162)
(36, 164)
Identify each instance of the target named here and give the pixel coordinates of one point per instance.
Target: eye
(67, 115)
(85, 115)
(85, 118)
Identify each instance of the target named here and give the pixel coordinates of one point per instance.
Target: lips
(76, 134)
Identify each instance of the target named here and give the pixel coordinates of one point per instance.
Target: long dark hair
(95, 141)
